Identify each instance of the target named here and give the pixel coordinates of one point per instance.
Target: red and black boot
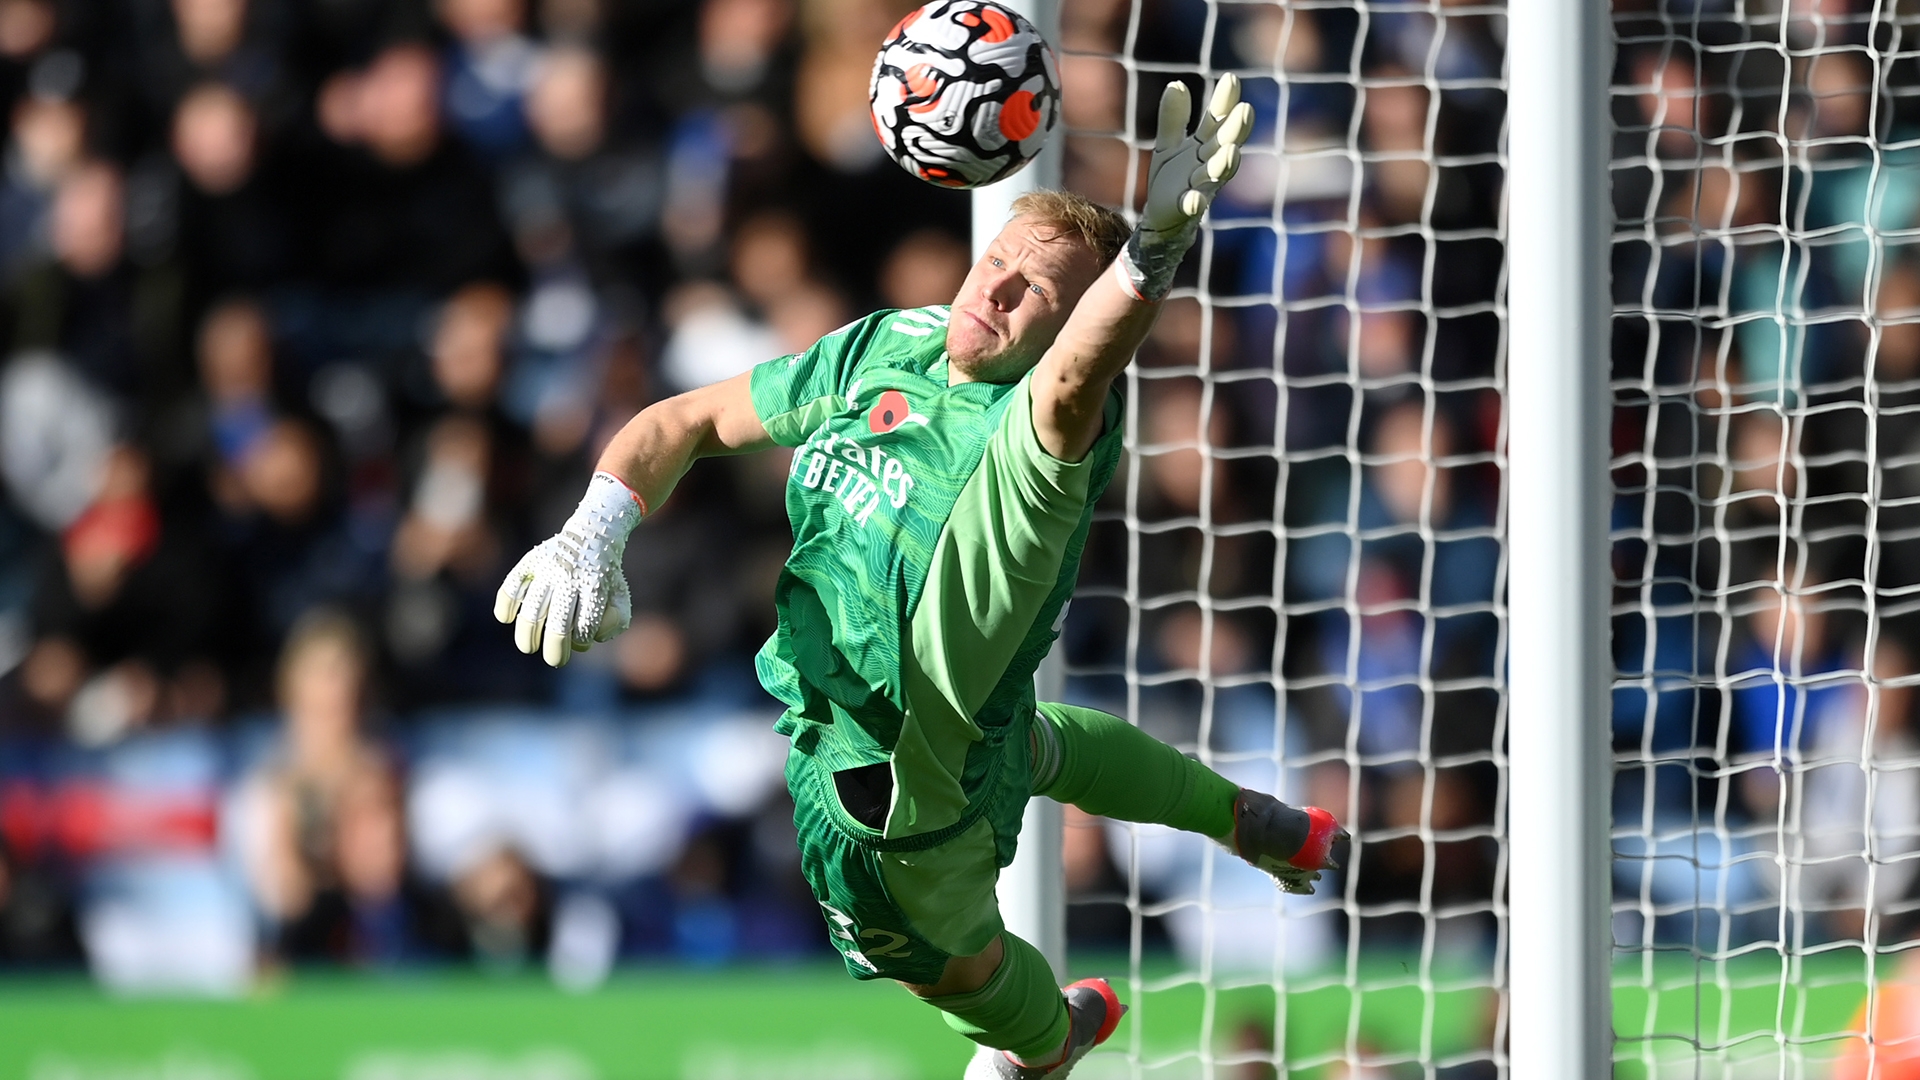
(1294, 844)
(1093, 1011)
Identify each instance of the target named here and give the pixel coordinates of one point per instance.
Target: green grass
(735, 1024)
(1681, 1010)
(811, 1021)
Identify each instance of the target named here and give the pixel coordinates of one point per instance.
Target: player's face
(1015, 300)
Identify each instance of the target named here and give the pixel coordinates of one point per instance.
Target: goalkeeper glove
(570, 592)
(1186, 173)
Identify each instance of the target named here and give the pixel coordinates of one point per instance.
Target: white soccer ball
(964, 93)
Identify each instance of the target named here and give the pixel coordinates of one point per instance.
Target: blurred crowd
(1765, 358)
(314, 315)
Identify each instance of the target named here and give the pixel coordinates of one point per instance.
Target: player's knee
(963, 974)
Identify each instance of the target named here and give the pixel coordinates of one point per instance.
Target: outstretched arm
(570, 591)
(1113, 316)
(657, 447)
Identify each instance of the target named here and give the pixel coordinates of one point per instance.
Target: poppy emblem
(889, 412)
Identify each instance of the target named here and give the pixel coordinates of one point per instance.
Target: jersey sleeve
(1002, 570)
(1020, 518)
(793, 395)
(1035, 481)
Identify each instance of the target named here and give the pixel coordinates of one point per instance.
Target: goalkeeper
(946, 464)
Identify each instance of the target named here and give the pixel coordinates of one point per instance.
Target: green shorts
(900, 908)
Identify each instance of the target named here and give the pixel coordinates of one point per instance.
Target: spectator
(325, 850)
(1093, 98)
(1196, 641)
(1670, 103)
(505, 908)
(1860, 800)
(469, 346)
(80, 303)
(46, 140)
(1405, 493)
(771, 259)
(810, 313)
(211, 31)
(1395, 122)
(228, 40)
(231, 233)
(1897, 359)
(1764, 478)
(469, 480)
(585, 196)
(235, 356)
(489, 68)
(55, 431)
(1788, 686)
(26, 27)
(288, 545)
(740, 41)
(213, 138)
(447, 557)
(127, 618)
(830, 97)
(410, 210)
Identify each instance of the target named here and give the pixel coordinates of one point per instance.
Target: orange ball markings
(1020, 116)
(922, 84)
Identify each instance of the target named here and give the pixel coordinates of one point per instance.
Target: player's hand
(570, 591)
(1187, 171)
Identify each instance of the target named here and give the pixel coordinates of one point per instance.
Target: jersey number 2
(889, 946)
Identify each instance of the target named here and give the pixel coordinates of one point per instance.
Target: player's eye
(1038, 291)
(997, 264)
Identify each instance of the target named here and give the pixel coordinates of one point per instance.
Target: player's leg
(1107, 767)
(1004, 999)
(995, 988)
(929, 919)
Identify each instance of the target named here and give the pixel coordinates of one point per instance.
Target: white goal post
(1558, 775)
(1033, 891)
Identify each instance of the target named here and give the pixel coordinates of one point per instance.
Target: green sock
(1019, 1009)
(1107, 767)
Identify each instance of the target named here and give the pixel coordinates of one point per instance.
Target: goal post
(1033, 890)
(1559, 892)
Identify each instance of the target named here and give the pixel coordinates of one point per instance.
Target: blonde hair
(1067, 214)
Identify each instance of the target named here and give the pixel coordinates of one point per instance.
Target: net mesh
(1298, 574)
(1767, 781)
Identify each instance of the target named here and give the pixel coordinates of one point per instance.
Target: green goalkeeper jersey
(935, 546)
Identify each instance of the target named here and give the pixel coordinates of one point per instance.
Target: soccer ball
(964, 93)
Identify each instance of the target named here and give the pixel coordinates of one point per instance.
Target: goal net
(1765, 468)
(1298, 574)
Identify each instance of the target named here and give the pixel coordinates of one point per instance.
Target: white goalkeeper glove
(1186, 173)
(570, 592)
